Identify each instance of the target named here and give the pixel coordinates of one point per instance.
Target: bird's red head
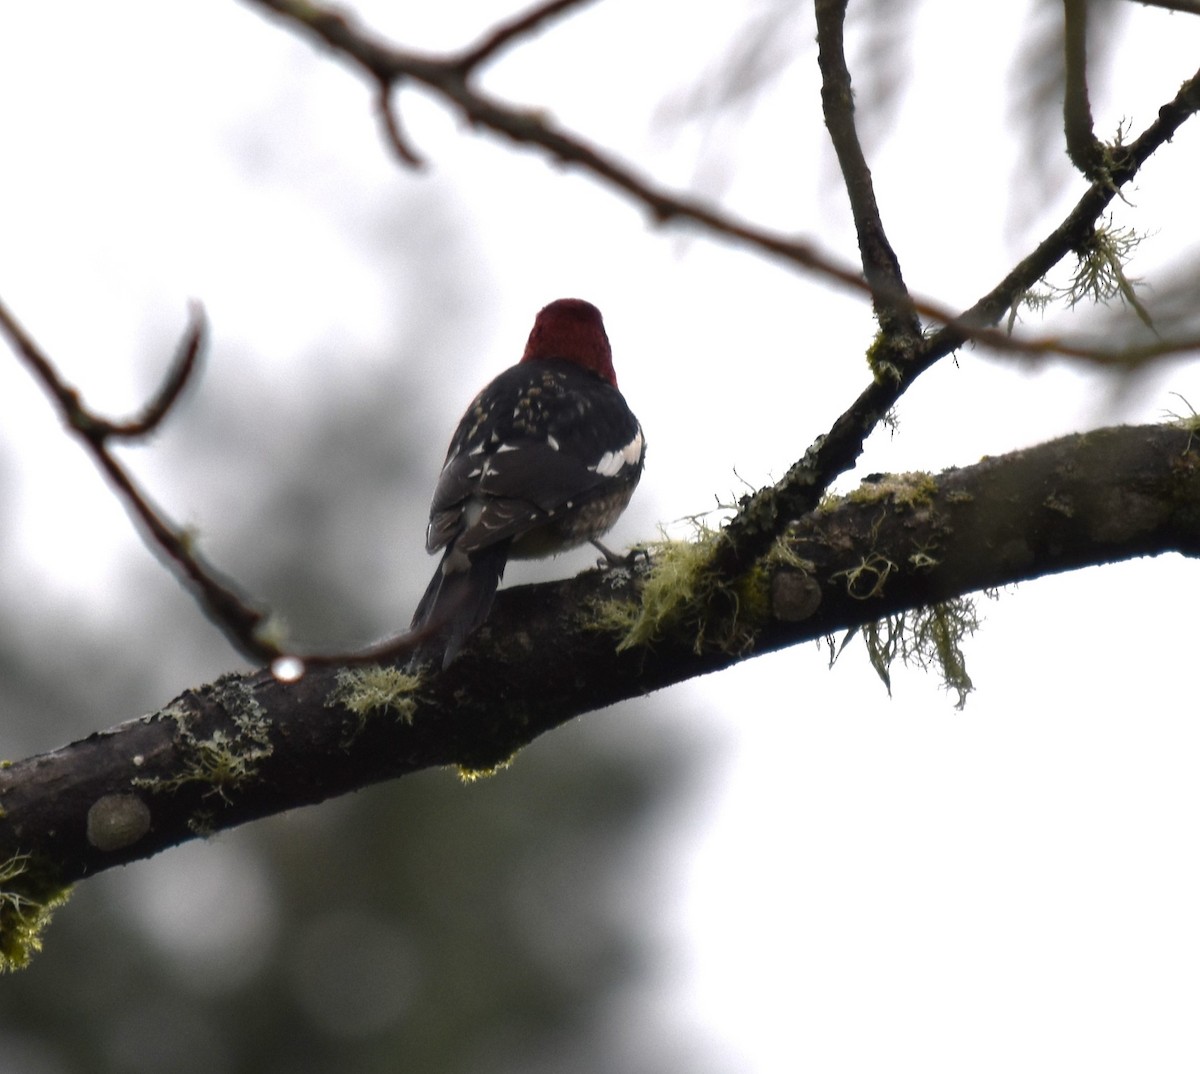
(572, 329)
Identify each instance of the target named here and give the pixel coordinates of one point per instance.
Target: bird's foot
(612, 559)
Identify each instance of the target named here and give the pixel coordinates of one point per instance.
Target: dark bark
(248, 745)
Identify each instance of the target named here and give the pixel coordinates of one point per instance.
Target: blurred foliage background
(429, 925)
(523, 923)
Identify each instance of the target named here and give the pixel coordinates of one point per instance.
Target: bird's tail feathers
(457, 601)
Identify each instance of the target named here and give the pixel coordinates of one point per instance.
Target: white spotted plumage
(613, 462)
(572, 455)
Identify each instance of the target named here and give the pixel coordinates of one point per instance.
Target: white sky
(862, 883)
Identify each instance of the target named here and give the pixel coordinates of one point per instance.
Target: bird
(546, 458)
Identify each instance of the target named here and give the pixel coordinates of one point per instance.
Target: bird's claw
(611, 559)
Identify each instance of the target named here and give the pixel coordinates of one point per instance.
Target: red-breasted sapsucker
(546, 458)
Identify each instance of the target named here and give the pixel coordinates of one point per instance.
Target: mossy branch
(250, 745)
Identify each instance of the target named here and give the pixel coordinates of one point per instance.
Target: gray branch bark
(247, 745)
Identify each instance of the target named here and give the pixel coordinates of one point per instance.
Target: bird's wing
(485, 499)
(535, 443)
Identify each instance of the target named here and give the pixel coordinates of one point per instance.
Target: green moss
(912, 489)
(753, 597)
(866, 580)
(680, 594)
(783, 555)
(679, 573)
(473, 775)
(883, 369)
(224, 760)
(1100, 276)
(29, 895)
(676, 576)
(923, 559)
(930, 638)
(375, 689)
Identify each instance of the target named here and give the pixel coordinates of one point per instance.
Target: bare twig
(1086, 151)
(244, 624)
(446, 78)
(509, 32)
(758, 523)
(1071, 234)
(183, 366)
(391, 125)
(762, 517)
(881, 266)
(315, 741)
(220, 599)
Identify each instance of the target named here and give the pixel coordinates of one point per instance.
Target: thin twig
(1070, 234)
(391, 125)
(507, 33)
(881, 266)
(763, 516)
(1083, 147)
(183, 367)
(758, 523)
(223, 602)
(446, 79)
(220, 599)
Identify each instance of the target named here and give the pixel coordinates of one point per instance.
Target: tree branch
(761, 517)
(511, 32)
(1189, 7)
(448, 77)
(759, 520)
(764, 516)
(899, 358)
(1076, 228)
(218, 597)
(1086, 151)
(881, 266)
(245, 624)
(250, 745)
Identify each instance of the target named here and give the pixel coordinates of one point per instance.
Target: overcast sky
(858, 878)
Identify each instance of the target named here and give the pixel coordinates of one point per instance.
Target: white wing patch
(613, 462)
